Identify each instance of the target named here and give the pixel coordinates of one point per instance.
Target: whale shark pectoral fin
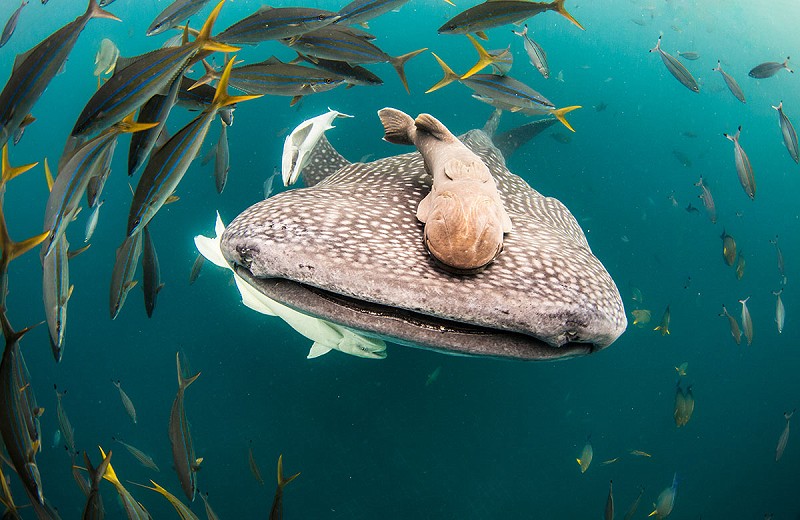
(317, 350)
(424, 208)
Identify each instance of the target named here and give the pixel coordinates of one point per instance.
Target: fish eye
(328, 80)
(451, 27)
(321, 17)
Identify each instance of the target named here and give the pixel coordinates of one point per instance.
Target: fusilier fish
(11, 24)
(210, 514)
(784, 438)
(747, 322)
(728, 248)
(735, 332)
(586, 456)
(180, 437)
(155, 111)
(197, 266)
(634, 505)
(253, 466)
(780, 312)
(94, 510)
(769, 69)
(641, 317)
(127, 258)
(495, 13)
(63, 422)
(663, 327)
(676, 68)
(151, 273)
(500, 60)
(126, 401)
(276, 512)
(175, 13)
(56, 293)
(535, 52)
(275, 23)
(730, 82)
(183, 510)
(740, 265)
(91, 222)
(789, 135)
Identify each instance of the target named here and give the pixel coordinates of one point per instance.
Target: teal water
(488, 439)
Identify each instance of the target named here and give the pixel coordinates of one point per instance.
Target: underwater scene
(391, 318)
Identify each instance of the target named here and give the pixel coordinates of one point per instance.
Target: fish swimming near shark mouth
(348, 249)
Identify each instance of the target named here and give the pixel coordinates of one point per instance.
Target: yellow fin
(204, 36)
(484, 59)
(48, 175)
(128, 125)
(482, 35)
(282, 481)
(449, 75)
(171, 199)
(221, 97)
(558, 6)
(560, 112)
(8, 171)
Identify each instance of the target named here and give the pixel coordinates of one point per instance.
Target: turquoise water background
(488, 439)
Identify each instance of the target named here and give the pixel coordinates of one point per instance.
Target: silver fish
(91, 222)
(180, 436)
(222, 159)
(143, 458)
(126, 401)
(784, 438)
(11, 24)
(780, 312)
(359, 12)
(151, 274)
(487, 15)
(275, 23)
(122, 281)
(689, 55)
(197, 266)
(779, 255)
(768, 69)
(93, 510)
(175, 13)
(747, 322)
(634, 505)
(676, 68)
(708, 200)
(732, 85)
(63, 422)
(789, 135)
(743, 167)
(535, 52)
(269, 183)
(735, 332)
(609, 512)
(106, 58)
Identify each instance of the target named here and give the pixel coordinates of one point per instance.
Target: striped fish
(222, 159)
(676, 68)
(11, 24)
(175, 13)
(535, 52)
(495, 13)
(361, 11)
(787, 130)
(275, 23)
(127, 258)
(126, 401)
(743, 167)
(180, 436)
(183, 511)
(34, 70)
(169, 163)
(155, 110)
(133, 509)
(143, 458)
(151, 275)
(500, 60)
(93, 510)
(730, 82)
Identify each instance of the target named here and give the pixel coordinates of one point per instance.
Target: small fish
(747, 322)
(779, 254)
(106, 58)
(276, 512)
(143, 458)
(586, 456)
(634, 505)
(127, 258)
(301, 141)
(735, 332)
(610, 461)
(91, 222)
(151, 274)
(269, 183)
(784, 438)
(500, 60)
(684, 405)
(484, 16)
(641, 317)
(681, 369)
(728, 248)
(640, 453)
(11, 24)
(56, 439)
(666, 500)
(180, 437)
(730, 82)
(359, 12)
(692, 209)
(251, 459)
(222, 159)
(780, 312)
(740, 265)
(609, 512)
(664, 325)
(682, 158)
(63, 422)
(183, 511)
(535, 52)
(175, 13)
(155, 111)
(768, 69)
(433, 376)
(708, 200)
(689, 55)
(197, 266)
(210, 514)
(133, 509)
(789, 135)
(126, 401)
(636, 295)
(676, 68)
(94, 503)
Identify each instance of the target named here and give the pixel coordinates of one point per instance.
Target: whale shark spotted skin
(349, 249)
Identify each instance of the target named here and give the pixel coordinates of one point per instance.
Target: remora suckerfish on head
(349, 249)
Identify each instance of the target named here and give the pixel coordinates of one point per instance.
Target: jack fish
(730, 82)
(769, 69)
(676, 68)
(743, 168)
(747, 322)
(789, 135)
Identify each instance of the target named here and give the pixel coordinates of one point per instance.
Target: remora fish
(768, 69)
(276, 512)
(676, 68)
(730, 82)
(500, 60)
(301, 141)
(728, 248)
(180, 437)
(747, 322)
(780, 312)
(789, 135)
(735, 332)
(535, 52)
(175, 13)
(133, 509)
(222, 159)
(127, 258)
(126, 401)
(494, 13)
(169, 163)
(784, 438)
(743, 167)
(142, 77)
(34, 70)
(342, 44)
(200, 97)
(463, 200)
(11, 24)
(359, 12)
(275, 23)
(143, 458)
(151, 274)
(708, 200)
(106, 58)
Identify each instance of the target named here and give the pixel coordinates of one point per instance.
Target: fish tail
(786, 64)
(282, 481)
(449, 75)
(578, 461)
(95, 11)
(484, 59)
(558, 6)
(48, 175)
(128, 125)
(183, 382)
(718, 67)
(109, 474)
(8, 171)
(10, 334)
(204, 36)
(398, 126)
(658, 44)
(14, 249)
(778, 108)
(206, 78)
(221, 97)
(561, 112)
(399, 64)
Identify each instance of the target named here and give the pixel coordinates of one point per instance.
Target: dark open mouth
(408, 327)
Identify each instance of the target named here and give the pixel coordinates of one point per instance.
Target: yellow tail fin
(281, 480)
(558, 6)
(8, 171)
(449, 75)
(560, 112)
(484, 58)
(221, 97)
(204, 36)
(128, 125)
(48, 176)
